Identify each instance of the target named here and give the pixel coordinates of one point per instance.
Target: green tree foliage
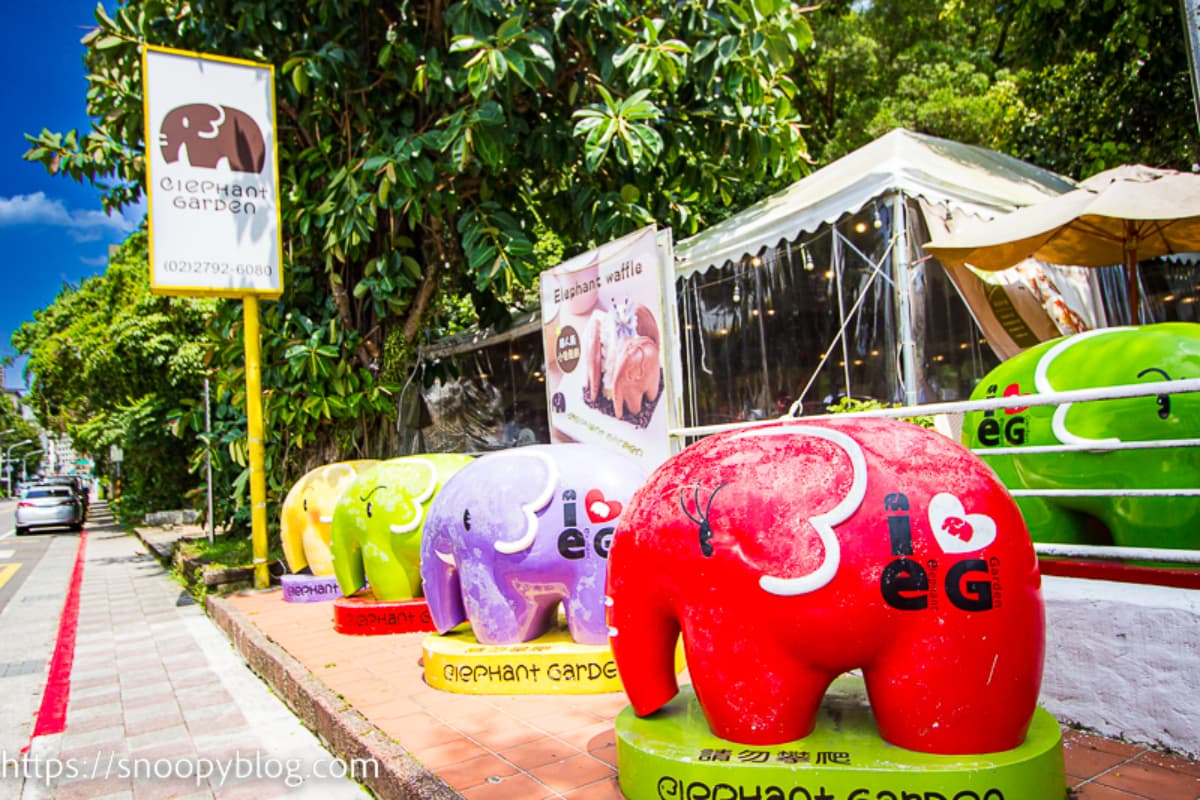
(422, 144)
(435, 152)
(1077, 86)
(108, 363)
(13, 430)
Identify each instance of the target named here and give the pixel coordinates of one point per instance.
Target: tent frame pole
(904, 299)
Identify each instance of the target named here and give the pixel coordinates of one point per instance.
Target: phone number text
(215, 268)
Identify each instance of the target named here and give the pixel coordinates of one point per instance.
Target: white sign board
(604, 337)
(212, 175)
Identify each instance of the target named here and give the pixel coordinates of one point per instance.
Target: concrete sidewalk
(160, 705)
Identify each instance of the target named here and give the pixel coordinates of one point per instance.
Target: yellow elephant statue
(308, 511)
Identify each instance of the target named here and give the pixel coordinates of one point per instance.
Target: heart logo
(598, 509)
(957, 531)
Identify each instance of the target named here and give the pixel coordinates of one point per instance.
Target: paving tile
(1152, 781)
(261, 789)
(171, 733)
(110, 718)
(607, 754)
(572, 773)
(170, 789)
(1098, 791)
(476, 771)
(1086, 756)
(1172, 762)
(539, 752)
(608, 789)
(444, 755)
(202, 697)
(514, 787)
(136, 726)
(497, 733)
(89, 789)
(590, 737)
(97, 696)
(420, 730)
(94, 738)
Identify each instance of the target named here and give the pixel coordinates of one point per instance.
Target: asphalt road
(19, 555)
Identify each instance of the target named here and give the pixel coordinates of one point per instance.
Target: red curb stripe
(52, 715)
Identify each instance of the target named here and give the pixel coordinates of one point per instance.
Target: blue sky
(53, 231)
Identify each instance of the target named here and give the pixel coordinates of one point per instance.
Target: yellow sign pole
(254, 426)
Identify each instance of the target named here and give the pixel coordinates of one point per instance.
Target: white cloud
(83, 226)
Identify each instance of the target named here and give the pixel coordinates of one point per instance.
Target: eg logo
(969, 583)
(572, 543)
(212, 133)
(991, 432)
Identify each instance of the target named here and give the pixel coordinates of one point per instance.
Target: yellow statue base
(551, 664)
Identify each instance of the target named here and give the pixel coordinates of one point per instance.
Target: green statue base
(673, 754)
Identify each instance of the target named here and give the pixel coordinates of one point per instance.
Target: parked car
(78, 484)
(48, 505)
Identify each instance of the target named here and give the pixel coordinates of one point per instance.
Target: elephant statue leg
(498, 612)
(1061, 525)
(388, 577)
(936, 705)
(585, 611)
(768, 698)
(316, 548)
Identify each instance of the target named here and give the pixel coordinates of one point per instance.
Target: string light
(876, 222)
(809, 266)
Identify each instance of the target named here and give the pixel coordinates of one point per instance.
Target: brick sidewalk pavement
(527, 747)
(155, 687)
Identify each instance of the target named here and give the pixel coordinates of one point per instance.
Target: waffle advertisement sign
(604, 342)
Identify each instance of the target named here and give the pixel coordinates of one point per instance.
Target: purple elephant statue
(514, 533)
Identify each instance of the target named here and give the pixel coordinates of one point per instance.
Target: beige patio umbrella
(1121, 216)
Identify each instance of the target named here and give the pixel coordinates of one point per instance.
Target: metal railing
(1104, 553)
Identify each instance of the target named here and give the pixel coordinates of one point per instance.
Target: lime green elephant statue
(1099, 358)
(379, 520)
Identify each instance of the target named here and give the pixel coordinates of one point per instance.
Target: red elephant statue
(788, 554)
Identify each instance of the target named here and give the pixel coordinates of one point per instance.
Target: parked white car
(48, 506)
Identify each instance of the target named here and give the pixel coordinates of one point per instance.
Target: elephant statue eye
(1163, 400)
(467, 519)
(1164, 406)
(305, 506)
(368, 510)
(701, 517)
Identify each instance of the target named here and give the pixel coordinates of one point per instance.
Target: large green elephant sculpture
(378, 523)
(1098, 358)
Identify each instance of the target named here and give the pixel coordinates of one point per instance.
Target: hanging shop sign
(212, 175)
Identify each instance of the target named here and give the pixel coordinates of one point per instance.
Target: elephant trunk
(346, 548)
(443, 589)
(643, 635)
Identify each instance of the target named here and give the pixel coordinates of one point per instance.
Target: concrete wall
(1124, 660)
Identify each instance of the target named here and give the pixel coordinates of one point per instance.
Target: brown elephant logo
(211, 133)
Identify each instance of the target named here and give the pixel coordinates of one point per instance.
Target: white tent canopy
(964, 178)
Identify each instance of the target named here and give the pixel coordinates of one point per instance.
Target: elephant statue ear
(338, 478)
(418, 480)
(515, 473)
(1044, 383)
(825, 522)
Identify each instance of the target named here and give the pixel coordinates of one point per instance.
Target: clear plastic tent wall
(816, 319)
